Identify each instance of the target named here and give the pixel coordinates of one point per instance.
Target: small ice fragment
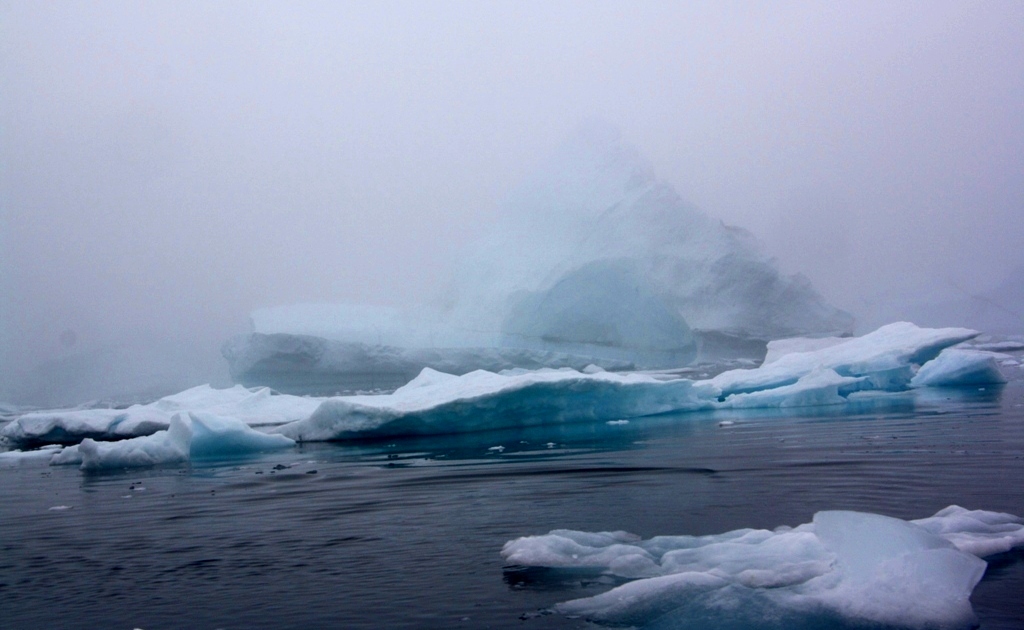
(497, 449)
(58, 508)
(550, 445)
(726, 423)
(615, 422)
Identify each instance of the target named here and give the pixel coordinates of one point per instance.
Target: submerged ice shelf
(842, 567)
(894, 358)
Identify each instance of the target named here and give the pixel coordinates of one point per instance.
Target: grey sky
(168, 166)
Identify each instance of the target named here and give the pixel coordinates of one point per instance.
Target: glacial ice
(68, 426)
(884, 360)
(190, 435)
(843, 566)
(893, 358)
(592, 257)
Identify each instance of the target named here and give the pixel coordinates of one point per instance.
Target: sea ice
(190, 435)
(260, 407)
(434, 402)
(850, 566)
(884, 360)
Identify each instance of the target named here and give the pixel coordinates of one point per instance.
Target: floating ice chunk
(189, 436)
(955, 367)
(886, 355)
(976, 531)
(170, 446)
(819, 387)
(844, 565)
(256, 408)
(217, 436)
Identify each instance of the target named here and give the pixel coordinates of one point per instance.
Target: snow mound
(843, 566)
(188, 436)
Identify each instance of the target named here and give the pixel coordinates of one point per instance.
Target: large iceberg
(593, 257)
(843, 568)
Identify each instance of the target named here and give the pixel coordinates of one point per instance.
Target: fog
(168, 167)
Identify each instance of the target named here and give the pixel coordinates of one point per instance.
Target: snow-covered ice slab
(189, 436)
(884, 360)
(894, 358)
(437, 403)
(260, 407)
(843, 566)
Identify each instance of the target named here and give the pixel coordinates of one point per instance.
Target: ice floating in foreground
(847, 567)
(190, 435)
(893, 358)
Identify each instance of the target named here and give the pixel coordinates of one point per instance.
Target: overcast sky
(168, 166)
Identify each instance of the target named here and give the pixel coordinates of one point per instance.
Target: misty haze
(305, 305)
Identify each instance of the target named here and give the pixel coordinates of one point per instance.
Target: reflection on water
(406, 533)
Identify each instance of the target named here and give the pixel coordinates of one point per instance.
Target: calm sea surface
(406, 534)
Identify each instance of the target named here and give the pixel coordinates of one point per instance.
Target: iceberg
(189, 436)
(592, 257)
(842, 568)
(306, 364)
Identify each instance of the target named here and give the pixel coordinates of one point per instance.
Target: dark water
(406, 534)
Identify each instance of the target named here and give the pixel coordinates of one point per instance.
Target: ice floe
(894, 358)
(959, 367)
(843, 566)
(190, 435)
(260, 407)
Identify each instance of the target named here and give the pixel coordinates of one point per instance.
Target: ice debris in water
(842, 567)
(191, 435)
(893, 358)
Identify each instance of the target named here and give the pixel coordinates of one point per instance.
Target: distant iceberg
(895, 358)
(842, 568)
(594, 260)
